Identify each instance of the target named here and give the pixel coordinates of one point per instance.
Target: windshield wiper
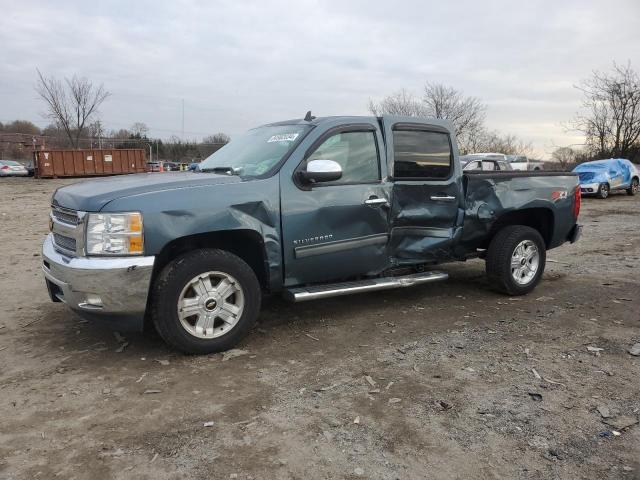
(227, 170)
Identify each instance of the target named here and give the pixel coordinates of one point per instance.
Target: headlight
(114, 234)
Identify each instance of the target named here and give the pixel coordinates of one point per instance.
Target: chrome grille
(65, 215)
(67, 227)
(66, 243)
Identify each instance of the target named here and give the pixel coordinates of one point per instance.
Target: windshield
(257, 151)
(10, 162)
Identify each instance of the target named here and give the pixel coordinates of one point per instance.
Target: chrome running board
(302, 294)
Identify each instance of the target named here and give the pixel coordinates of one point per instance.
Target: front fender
(249, 205)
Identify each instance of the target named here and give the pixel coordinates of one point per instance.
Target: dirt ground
(442, 381)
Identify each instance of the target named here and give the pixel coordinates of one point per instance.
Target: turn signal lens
(135, 223)
(135, 245)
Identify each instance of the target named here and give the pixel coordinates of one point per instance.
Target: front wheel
(603, 190)
(515, 260)
(634, 188)
(205, 301)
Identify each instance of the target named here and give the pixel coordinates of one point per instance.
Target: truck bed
(516, 173)
(544, 200)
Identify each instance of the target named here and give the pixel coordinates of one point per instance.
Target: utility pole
(183, 118)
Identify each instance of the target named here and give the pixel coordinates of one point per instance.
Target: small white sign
(285, 137)
(108, 158)
(46, 155)
(89, 158)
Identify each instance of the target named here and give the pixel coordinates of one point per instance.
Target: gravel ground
(442, 381)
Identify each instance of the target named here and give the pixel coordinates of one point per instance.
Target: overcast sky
(239, 64)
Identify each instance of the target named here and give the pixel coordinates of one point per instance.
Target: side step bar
(302, 294)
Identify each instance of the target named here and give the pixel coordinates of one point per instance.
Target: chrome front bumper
(114, 289)
(589, 188)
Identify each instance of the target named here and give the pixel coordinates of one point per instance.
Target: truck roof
(358, 118)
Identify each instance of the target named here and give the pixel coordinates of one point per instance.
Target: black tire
(634, 188)
(177, 274)
(499, 256)
(603, 190)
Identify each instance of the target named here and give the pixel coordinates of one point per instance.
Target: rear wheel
(205, 301)
(603, 190)
(515, 260)
(634, 188)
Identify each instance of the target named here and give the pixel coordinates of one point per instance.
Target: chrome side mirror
(321, 171)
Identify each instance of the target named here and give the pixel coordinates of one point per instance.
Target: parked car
(30, 169)
(311, 209)
(11, 168)
(194, 167)
(474, 163)
(171, 167)
(154, 166)
(521, 162)
(601, 177)
(483, 156)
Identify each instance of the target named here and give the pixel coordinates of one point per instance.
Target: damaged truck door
(425, 213)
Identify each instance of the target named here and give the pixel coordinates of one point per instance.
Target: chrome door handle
(442, 198)
(374, 202)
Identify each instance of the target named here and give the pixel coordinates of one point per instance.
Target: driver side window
(356, 153)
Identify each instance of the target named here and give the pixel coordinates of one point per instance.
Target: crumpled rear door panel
(423, 230)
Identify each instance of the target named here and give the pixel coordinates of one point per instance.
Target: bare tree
(95, 132)
(610, 116)
(565, 156)
(467, 114)
(139, 129)
(217, 138)
(399, 103)
(71, 104)
(492, 141)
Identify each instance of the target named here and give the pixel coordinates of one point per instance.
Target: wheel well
(540, 219)
(246, 244)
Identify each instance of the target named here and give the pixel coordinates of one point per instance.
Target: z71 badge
(559, 195)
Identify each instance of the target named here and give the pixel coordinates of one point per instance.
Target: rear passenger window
(421, 154)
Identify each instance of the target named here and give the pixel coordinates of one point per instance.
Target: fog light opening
(93, 300)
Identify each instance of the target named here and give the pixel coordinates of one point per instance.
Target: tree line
(72, 106)
(609, 118)
(95, 136)
(466, 113)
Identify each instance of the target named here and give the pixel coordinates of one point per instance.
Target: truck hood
(93, 195)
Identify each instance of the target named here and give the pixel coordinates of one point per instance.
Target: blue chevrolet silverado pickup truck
(309, 208)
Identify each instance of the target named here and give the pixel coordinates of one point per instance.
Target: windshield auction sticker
(284, 137)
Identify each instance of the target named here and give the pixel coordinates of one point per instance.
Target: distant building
(20, 145)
